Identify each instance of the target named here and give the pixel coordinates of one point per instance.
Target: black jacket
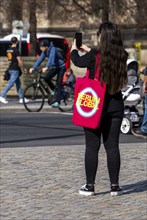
(112, 102)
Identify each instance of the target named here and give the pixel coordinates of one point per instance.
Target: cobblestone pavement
(42, 184)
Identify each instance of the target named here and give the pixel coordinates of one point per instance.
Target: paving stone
(42, 184)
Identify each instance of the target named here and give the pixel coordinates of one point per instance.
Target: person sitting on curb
(142, 131)
(15, 61)
(69, 77)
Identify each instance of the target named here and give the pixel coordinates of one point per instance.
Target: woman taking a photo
(113, 72)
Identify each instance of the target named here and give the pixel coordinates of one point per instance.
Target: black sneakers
(116, 191)
(87, 190)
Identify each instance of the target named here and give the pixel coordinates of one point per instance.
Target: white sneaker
(116, 191)
(87, 190)
(3, 100)
(21, 100)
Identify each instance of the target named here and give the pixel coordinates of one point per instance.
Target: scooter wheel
(126, 126)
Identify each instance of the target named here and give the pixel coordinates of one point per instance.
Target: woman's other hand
(84, 48)
(74, 47)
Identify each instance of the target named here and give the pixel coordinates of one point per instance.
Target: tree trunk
(105, 12)
(33, 24)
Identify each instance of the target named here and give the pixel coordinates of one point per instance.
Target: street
(44, 129)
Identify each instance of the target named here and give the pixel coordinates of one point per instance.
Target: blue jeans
(144, 123)
(14, 79)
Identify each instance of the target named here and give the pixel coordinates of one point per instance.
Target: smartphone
(78, 37)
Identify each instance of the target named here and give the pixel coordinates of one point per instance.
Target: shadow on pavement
(140, 186)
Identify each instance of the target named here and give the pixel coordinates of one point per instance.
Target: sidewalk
(42, 184)
(14, 106)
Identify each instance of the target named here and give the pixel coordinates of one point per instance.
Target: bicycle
(39, 91)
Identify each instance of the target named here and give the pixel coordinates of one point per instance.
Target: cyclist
(55, 65)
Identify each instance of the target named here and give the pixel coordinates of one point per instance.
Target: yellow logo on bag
(90, 101)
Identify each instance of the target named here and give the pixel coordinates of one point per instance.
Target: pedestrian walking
(15, 61)
(113, 72)
(142, 131)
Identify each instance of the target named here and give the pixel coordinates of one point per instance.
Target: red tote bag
(89, 100)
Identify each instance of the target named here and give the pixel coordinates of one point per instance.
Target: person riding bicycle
(55, 65)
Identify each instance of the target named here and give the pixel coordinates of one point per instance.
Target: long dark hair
(113, 57)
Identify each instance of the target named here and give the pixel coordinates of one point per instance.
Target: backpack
(61, 54)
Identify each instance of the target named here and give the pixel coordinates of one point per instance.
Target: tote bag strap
(97, 68)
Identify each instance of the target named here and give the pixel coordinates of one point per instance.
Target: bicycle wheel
(67, 98)
(35, 95)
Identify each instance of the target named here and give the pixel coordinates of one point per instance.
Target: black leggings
(110, 130)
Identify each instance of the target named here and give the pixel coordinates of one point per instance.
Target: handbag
(20, 72)
(6, 76)
(89, 99)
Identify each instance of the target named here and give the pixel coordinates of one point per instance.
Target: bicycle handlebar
(40, 71)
